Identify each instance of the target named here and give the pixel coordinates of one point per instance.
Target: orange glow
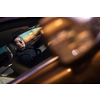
(69, 70)
(81, 19)
(49, 43)
(50, 28)
(27, 36)
(58, 22)
(28, 39)
(42, 31)
(58, 76)
(53, 59)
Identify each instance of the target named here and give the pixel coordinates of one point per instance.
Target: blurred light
(31, 33)
(69, 70)
(53, 59)
(42, 32)
(58, 76)
(59, 38)
(9, 64)
(75, 52)
(49, 43)
(81, 19)
(45, 20)
(58, 22)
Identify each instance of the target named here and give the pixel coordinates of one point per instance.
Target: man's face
(19, 43)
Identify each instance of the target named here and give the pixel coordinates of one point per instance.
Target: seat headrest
(12, 51)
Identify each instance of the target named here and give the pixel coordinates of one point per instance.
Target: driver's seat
(16, 66)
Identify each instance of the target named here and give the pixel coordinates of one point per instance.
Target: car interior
(29, 33)
(74, 45)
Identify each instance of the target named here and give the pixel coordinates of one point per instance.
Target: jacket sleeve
(38, 43)
(27, 60)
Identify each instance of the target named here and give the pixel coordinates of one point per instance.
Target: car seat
(16, 66)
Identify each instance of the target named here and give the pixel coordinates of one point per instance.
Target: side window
(30, 35)
(4, 56)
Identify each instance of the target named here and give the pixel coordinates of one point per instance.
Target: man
(29, 55)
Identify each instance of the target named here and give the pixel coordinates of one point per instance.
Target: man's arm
(38, 43)
(27, 60)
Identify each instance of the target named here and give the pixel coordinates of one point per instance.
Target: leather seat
(16, 66)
